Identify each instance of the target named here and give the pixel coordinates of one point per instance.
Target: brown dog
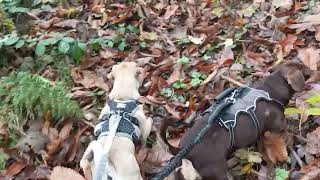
(209, 156)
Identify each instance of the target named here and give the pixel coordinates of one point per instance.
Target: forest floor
(190, 51)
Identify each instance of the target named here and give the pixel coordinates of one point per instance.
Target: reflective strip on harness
(128, 125)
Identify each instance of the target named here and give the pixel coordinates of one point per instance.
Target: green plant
(167, 92)
(3, 159)
(313, 110)
(179, 85)
(58, 41)
(183, 60)
(33, 96)
(281, 174)
(197, 78)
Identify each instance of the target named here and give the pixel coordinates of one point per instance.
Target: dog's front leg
(145, 124)
(87, 157)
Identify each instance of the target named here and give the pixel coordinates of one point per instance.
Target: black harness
(244, 101)
(228, 105)
(127, 123)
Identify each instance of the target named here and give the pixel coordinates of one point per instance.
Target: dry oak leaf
(313, 144)
(287, 4)
(287, 44)
(310, 57)
(88, 79)
(274, 147)
(15, 168)
(317, 35)
(171, 9)
(62, 173)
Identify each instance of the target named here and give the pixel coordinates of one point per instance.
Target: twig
(314, 174)
(88, 123)
(295, 155)
(227, 78)
(301, 139)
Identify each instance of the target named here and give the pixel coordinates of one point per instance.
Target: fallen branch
(88, 123)
(227, 78)
(295, 155)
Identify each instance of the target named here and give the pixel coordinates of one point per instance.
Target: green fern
(32, 96)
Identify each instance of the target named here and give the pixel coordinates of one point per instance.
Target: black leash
(177, 160)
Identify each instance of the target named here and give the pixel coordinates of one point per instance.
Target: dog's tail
(162, 135)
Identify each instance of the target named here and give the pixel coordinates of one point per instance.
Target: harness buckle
(231, 98)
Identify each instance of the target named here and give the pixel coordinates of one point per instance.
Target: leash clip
(231, 98)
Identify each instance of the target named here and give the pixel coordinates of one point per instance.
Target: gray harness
(128, 123)
(244, 101)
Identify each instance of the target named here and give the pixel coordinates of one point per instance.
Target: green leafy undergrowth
(312, 110)
(281, 174)
(32, 96)
(3, 159)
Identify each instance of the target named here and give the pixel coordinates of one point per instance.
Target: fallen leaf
(158, 154)
(317, 35)
(88, 79)
(313, 19)
(172, 111)
(63, 173)
(287, 4)
(226, 56)
(313, 143)
(65, 131)
(179, 32)
(274, 147)
(34, 140)
(53, 146)
(171, 9)
(15, 168)
(310, 57)
(75, 144)
(249, 156)
(69, 23)
(287, 44)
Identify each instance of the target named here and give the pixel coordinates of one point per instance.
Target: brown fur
(209, 156)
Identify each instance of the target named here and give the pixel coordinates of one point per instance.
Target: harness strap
(177, 160)
(255, 121)
(231, 132)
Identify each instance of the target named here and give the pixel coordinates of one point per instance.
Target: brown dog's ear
(296, 79)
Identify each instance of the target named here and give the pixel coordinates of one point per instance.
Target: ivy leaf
(133, 29)
(290, 111)
(183, 60)
(19, 44)
(142, 45)
(63, 47)
(167, 92)
(82, 46)
(49, 41)
(313, 111)
(11, 40)
(179, 85)
(281, 174)
(313, 100)
(40, 49)
(196, 74)
(194, 82)
(122, 46)
(68, 39)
